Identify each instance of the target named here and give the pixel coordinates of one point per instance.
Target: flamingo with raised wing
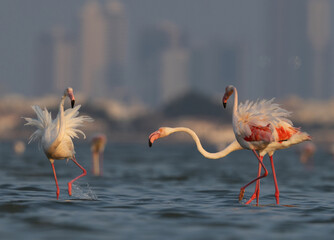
(260, 126)
(55, 136)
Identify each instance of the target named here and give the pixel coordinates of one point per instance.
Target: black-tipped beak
(154, 136)
(224, 104)
(72, 103)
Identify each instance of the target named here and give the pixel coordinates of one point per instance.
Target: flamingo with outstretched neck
(261, 126)
(55, 136)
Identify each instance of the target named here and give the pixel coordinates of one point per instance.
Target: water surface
(166, 192)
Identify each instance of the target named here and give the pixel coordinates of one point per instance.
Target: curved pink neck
(235, 105)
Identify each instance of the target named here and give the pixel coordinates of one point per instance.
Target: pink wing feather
(263, 121)
(259, 133)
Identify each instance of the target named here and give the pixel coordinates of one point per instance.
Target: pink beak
(71, 96)
(224, 100)
(154, 136)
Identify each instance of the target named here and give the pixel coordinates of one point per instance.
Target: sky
(22, 22)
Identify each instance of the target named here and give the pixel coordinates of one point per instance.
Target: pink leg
(54, 173)
(258, 183)
(258, 194)
(242, 190)
(257, 189)
(101, 163)
(95, 164)
(275, 180)
(83, 174)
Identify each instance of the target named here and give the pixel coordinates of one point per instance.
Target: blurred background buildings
(153, 51)
(146, 54)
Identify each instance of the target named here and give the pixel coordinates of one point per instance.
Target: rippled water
(167, 192)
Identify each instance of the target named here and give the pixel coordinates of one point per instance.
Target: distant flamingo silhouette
(261, 126)
(306, 157)
(55, 136)
(97, 148)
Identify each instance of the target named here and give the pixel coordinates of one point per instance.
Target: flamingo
(97, 148)
(260, 126)
(19, 147)
(307, 153)
(55, 136)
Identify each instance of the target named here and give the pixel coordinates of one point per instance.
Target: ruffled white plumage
(73, 122)
(260, 113)
(48, 130)
(262, 127)
(43, 121)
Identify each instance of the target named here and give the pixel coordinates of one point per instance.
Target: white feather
(260, 113)
(47, 130)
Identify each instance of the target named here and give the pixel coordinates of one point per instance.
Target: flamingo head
(98, 143)
(69, 93)
(228, 92)
(162, 132)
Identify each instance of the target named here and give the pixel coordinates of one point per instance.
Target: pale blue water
(166, 192)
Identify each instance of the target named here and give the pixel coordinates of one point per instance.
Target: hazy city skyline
(266, 48)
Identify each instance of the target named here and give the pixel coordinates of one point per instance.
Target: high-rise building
(152, 42)
(116, 48)
(55, 61)
(103, 48)
(158, 47)
(63, 60)
(290, 68)
(43, 64)
(216, 65)
(318, 29)
(92, 49)
(174, 73)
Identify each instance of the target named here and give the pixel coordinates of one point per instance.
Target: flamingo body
(55, 136)
(261, 126)
(265, 127)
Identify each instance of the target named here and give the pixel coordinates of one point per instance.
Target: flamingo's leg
(101, 163)
(54, 173)
(93, 162)
(275, 180)
(84, 172)
(257, 189)
(258, 194)
(96, 164)
(242, 190)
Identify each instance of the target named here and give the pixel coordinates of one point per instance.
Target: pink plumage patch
(285, 133)
(259, 133)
